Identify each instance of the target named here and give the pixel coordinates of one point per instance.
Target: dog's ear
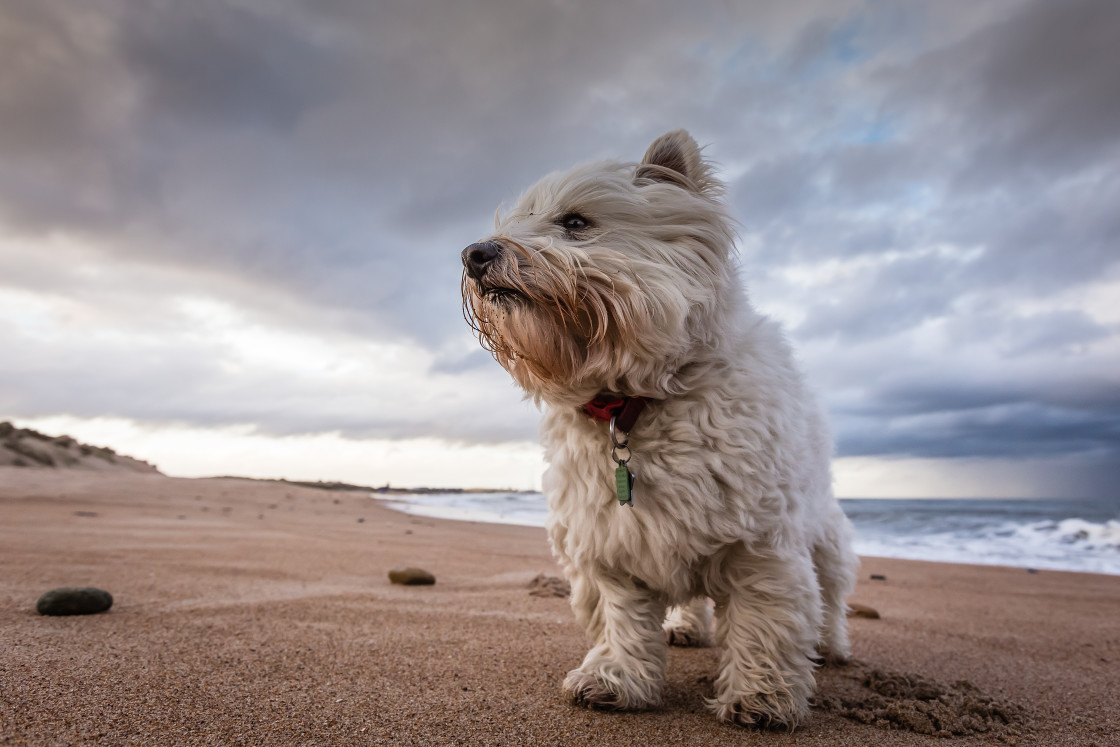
(675, 158)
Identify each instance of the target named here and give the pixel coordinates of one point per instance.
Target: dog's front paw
(592, 691)
(585, 689)
(775, 710)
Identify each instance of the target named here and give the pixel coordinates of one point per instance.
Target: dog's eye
(574, 222)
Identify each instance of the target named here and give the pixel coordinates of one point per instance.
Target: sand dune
(24, 447)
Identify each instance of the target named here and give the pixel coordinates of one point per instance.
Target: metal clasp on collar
(623, 477)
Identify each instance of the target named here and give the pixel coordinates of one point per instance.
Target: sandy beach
(261, 613)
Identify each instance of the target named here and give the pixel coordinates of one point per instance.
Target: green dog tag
(624, 485)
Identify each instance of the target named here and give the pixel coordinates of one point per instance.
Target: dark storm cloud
(343, 151)
(937, 170)
(1012, 430)
(955, 395)
(978, 184)
(1029, 405)
(210, 60)
(1028, 97)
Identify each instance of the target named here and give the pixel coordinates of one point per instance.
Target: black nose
(477, 258)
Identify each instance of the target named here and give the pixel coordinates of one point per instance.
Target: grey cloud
(1053, 333)
(775, 188)
(342, 152)
(195, 382)
(1025, 406)
(948, 391)
(233, 64)
(1029, 98)
(458, 364)
(1045, 240)
(1020, 429)
(1024, 97)
(895, 296)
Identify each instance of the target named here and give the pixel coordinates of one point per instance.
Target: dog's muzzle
(477, 258)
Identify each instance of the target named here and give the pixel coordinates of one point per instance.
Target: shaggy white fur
(620, 278)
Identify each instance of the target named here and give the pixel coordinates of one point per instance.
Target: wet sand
(260, 613)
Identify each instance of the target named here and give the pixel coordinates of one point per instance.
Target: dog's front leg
(767, 617)
(626, 665)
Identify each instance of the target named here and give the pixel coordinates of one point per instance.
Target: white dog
(610, 294)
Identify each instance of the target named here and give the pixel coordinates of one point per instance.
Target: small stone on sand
(411, 577)
(74, 601)
(878, 577)
(862, 610)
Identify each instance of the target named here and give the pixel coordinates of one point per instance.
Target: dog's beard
(546, 316)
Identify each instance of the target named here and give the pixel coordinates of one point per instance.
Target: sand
(260, 613)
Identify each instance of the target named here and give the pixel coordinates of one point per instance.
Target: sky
(230, 229)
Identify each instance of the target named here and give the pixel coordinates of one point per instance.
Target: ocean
(1052, 534)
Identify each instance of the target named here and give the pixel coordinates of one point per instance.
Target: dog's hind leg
(625, 667)
(689, 624)
(836, 565)
(768, 613)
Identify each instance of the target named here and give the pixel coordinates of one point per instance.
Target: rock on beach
(411, 577)
(74, 601)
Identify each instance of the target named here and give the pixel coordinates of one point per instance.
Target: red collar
(625, 409)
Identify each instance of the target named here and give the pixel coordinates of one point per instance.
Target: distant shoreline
(384, 489)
